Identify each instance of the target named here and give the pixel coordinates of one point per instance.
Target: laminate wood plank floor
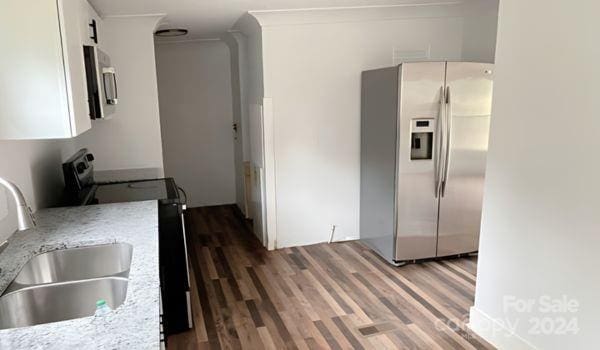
(323, 296)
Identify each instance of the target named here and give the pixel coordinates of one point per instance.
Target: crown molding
(269, 18)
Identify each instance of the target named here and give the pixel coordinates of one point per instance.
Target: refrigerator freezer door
(421, 88)
(469, 92)
(379, 121)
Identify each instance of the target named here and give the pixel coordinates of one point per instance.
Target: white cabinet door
(88, 14)
(70, 13)
(42, 77)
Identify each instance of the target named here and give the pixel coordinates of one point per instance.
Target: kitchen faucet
(25, 219)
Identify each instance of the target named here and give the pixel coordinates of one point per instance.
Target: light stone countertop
(133, 325)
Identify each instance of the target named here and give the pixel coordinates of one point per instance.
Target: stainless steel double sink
(65, 284)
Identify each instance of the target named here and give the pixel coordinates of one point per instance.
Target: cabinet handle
(94, 31)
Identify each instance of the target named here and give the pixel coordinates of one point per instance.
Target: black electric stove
(81, 189)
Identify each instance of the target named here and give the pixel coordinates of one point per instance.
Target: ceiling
(208, 19)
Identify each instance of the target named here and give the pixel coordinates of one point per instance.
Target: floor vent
(377, 328)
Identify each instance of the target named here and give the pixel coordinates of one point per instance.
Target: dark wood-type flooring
(323, 296)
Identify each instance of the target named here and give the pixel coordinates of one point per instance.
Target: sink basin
(75, 264)
(66, 284)
(59, 301)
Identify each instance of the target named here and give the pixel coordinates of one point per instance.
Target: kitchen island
(133, 325)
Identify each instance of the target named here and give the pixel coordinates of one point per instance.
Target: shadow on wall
(47, 180)
(35, 167)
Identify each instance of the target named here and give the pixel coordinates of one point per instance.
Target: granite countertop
(133, 325)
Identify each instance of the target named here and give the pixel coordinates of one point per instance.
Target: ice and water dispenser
(421, 139)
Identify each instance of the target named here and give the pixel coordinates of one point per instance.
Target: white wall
(35, 167)
(312, 69)
(196, 119)
(540, 230)
(479, 32)
(131, 138)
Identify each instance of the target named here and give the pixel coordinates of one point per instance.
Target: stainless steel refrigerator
(424, 140)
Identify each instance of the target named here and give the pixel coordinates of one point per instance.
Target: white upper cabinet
(43, 91)
(90, 18)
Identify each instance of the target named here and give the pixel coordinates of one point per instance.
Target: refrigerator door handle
(439, 151)
(447, 139)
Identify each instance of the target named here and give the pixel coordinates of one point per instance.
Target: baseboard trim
(495, 333)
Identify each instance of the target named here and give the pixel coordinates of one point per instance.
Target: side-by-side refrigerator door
(468, 109)
(421, 91)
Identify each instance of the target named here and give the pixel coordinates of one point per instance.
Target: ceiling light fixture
(172, 32)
